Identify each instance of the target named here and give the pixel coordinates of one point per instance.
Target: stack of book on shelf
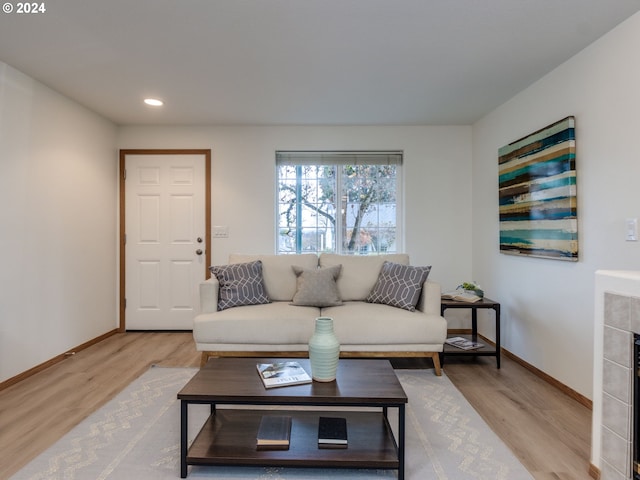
(463, 343)
(274, 432)
(282, 374)
(332, 432)
(461, 296)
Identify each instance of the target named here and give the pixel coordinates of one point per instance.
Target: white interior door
(165, 240)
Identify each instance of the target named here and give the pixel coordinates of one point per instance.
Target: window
(342, 202)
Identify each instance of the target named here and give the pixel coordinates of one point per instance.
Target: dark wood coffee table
(228, 437)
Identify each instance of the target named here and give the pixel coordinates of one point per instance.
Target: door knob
(198, 252)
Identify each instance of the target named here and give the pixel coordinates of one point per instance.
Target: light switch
(632, 229)
(220, 231)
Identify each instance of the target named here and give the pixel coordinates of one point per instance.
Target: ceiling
(300, 62)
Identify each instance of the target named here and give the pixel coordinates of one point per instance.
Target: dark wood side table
(486, 350)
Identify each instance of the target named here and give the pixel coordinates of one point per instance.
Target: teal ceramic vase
(324, 351)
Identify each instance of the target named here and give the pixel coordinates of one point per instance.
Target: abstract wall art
(537, 192)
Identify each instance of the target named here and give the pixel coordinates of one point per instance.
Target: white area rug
(137, 436)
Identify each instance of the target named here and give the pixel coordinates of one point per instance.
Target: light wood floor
(548, 431)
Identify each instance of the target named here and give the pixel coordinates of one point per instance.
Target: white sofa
(280, 329)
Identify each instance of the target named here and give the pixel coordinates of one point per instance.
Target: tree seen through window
(343, 207)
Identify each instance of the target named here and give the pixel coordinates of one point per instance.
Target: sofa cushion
(240, 284)
(276, 323)
(359, 272)
(317, 287)
(360, 323)
(399, 285)
(279, 279)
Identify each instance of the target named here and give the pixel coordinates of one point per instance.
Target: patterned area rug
(137, 436)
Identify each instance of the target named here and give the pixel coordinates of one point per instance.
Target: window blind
(285, 157)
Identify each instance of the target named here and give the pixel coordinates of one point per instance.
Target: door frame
(122, 229)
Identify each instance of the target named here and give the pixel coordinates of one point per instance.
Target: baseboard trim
(594, 471)
(581, 399)
(43, 366)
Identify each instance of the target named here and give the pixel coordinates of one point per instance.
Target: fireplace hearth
(635, 412)
(615, 452)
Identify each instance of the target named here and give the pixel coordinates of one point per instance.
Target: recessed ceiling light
(154, 102)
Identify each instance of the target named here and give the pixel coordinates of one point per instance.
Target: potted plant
(472, 287)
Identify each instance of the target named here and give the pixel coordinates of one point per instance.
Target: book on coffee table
(282, 374)
(332, 432)
(274, 432)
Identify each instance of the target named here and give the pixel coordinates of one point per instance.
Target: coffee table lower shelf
(229, 438)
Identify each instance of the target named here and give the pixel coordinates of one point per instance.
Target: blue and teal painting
(537, 191)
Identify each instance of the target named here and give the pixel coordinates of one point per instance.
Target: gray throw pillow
(240, 284)
(317, 287)
(399, 285)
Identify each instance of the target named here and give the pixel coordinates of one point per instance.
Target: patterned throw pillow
(399, 285)
(240, 284)
(317, 287)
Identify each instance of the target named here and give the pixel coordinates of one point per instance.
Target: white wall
(548, 305)
(436, 173)
(58, 177)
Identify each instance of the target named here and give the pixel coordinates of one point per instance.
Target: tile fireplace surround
(617, 318)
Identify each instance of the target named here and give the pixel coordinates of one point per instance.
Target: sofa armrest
(209, 295)
(429, 301)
